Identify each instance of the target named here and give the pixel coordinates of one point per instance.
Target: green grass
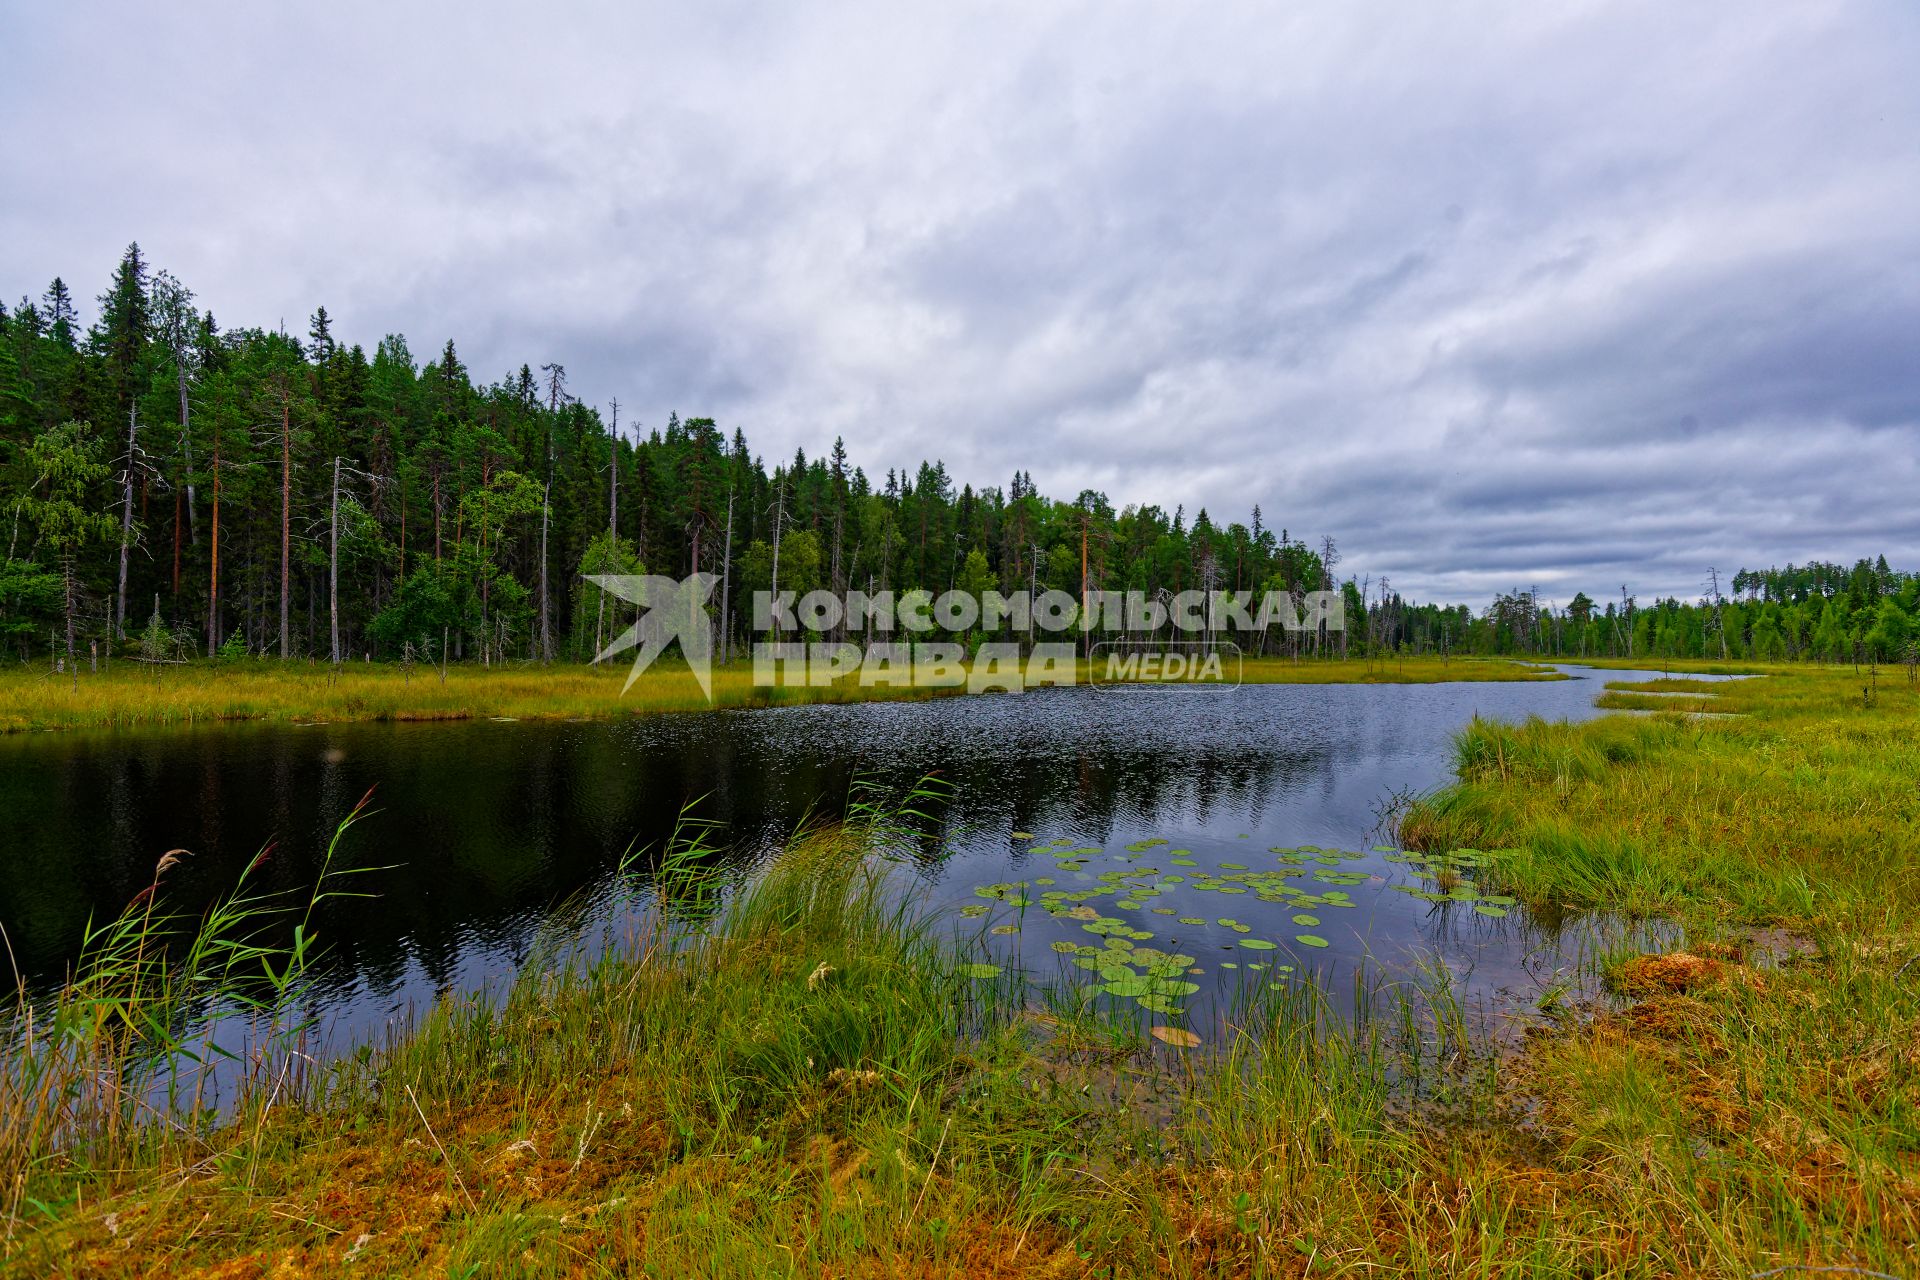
(130, 694)
(804, 1079)
(1797, 804)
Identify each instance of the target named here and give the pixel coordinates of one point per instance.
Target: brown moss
(1676, 971)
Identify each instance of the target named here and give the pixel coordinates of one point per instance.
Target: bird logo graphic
(676, 609)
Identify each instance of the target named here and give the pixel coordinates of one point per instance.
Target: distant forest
(172, 488)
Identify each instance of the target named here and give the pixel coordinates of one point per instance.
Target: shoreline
(262, 690)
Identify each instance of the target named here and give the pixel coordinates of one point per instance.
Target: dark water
(487, 826)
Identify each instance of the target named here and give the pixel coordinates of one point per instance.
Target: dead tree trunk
(333, 567)
(126, 525)
(286, 519)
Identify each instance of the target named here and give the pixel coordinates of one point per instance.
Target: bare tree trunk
(286, 518)
(779, 514)
(213, 586)
(726, 581)
(126, 527)
(333, 566)
(546, 617)
(66, 573)
(613, 525)
(186, 451)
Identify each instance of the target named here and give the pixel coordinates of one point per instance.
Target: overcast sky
(1560, 295)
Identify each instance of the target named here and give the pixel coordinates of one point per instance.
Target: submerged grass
(129, 694)
(807, 1078)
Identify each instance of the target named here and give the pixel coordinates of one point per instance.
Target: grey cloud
(1496, 297)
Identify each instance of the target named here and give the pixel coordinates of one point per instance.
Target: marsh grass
(122, 1056)
(798, 1074)
(256, 689)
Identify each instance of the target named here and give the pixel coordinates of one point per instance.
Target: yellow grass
(131, 694)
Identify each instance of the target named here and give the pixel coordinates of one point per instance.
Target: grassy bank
(1796, 803)
(132, 694)
(819, 1084)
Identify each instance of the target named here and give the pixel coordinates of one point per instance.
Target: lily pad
(979, 970)
(1305, 919)
(1178, 1037)
(1259, 944)
(1311, 940)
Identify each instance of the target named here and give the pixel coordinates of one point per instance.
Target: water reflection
(484, 827)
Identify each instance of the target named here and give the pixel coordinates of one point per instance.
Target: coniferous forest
(187, 487)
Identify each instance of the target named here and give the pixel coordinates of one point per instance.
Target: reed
(800, 1074)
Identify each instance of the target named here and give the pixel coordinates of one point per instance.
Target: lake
(1234, 802)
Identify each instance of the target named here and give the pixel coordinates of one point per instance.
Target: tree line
(175, 488)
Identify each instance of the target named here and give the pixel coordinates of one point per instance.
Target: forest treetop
(248, 490)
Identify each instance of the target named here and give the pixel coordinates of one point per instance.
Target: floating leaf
(1004, 929)
(1064, 947)
(1178, 1037)
(1233, 866)
(979, 970)
(1259, 944)
(1159, 1004)
(1304, 918)
(975, 911)
(1486, 910)
(1191, 920)
(1128, 987)
(1310, 940)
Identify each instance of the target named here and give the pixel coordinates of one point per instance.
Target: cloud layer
(1573, 298)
